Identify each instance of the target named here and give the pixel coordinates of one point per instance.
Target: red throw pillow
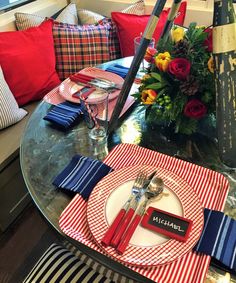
(130, 26)
(28, 62)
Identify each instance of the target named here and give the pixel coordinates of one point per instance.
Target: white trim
(40, 7)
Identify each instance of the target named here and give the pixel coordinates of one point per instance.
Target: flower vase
(154, 123)
(186, 147)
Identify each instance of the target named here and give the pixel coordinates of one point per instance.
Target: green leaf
(156, 76)
(136, 95)
(207, 97)
(156, 86)
(186, 126)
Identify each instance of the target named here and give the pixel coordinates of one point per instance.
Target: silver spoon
(154, 189)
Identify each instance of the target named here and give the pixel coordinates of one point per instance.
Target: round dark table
(45, 151)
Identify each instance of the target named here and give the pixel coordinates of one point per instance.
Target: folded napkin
(64, 115)
(118, 69)
(81, 175)
(218, 238)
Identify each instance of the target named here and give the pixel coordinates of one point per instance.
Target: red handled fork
(95, 81)
(138, 184)
(155, 188)
(131, 210)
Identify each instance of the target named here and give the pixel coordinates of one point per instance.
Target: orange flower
(162, 61)
(148, 96)
(150, 52)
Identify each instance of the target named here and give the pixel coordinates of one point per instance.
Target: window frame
(40, 7)
(14, 5)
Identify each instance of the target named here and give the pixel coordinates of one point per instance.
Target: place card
(166, 223)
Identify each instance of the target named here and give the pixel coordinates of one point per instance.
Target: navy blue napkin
(118, 69)
(218, 238)
(81, 175)
(64, 115)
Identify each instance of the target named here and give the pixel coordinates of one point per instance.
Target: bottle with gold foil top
(224, 54)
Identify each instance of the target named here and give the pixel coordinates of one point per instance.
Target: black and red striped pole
(170, 20)
(138, 57)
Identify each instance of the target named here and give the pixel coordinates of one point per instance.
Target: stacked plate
(146, 248)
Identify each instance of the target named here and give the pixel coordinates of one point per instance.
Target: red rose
(180, 68)
(208, 40)
(195, 109)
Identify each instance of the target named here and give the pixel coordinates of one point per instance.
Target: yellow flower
(201, 27)
(210, 64)
(145, 77)
(177, 34)
(148, 96)
(162, 61)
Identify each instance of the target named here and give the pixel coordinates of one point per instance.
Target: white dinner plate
(146, 248)
(67, 88)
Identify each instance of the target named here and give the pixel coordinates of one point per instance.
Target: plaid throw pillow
(78, 47)
(113, 40)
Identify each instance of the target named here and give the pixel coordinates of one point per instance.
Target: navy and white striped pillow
(10, 113)
(58, 264)
(96, 266)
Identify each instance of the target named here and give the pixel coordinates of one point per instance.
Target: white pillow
(87, 17)
(67, 16)
(10, 113)
(137, 8)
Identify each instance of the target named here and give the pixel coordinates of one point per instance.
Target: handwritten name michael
(167, 223)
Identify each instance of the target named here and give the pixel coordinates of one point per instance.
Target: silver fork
(122, 215)
(141, 188)
(105, 84)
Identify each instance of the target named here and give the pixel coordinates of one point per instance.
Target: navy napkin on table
(64, 115)
(81, 175)
(218, 238)
(118, 69)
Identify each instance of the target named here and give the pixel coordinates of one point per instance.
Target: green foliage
(173, 94)
(186, 126)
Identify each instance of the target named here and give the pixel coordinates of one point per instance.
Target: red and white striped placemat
(147, 254)
(54, 98)
(211, 188)
(65, 90)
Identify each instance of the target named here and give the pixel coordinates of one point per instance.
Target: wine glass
(96, 105)
(137, 42)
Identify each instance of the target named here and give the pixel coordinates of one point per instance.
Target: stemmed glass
(137, 41)
(97, 117)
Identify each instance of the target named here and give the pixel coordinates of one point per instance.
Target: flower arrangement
(179, 85)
